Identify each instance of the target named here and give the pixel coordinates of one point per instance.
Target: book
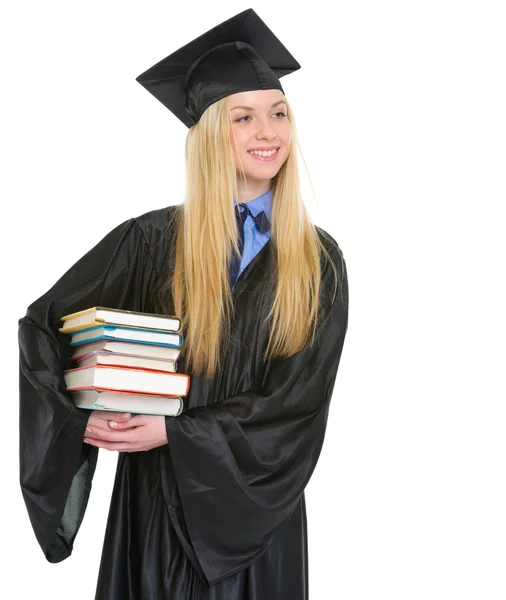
(101, 315)
(126, 402)
(125, 360)
(126, 380)
(126, 334)
(127, 348)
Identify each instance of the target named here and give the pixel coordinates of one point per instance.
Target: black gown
(219, 512)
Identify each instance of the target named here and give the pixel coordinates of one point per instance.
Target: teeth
(262, 152)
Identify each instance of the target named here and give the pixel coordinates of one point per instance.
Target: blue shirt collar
(262, 203)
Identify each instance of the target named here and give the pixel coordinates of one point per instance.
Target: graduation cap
(239, 55)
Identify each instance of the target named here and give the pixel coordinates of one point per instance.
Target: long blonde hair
(206, 236)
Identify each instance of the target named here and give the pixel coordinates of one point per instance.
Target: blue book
(126, 334)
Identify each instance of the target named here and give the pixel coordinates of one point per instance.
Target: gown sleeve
(242, 463)
(56, 466)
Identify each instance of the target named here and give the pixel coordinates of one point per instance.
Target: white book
(125, 360)
(126, 334)
(123, 402)
(126, 380)
(98, 315)
(130, 348)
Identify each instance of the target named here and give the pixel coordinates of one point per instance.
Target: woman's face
(259, 121)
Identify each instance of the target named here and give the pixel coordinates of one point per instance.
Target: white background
(402, 120)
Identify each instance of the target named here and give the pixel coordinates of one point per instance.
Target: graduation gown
(219, 512)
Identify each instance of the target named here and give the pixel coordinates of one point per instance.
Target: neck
(253, 191)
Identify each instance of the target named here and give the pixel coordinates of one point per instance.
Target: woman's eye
(248, 117)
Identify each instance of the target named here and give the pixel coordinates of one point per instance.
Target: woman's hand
(113, 431)
(100, 419)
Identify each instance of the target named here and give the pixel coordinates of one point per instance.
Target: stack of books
(126, 361)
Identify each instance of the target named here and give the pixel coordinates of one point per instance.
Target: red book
(127, 380)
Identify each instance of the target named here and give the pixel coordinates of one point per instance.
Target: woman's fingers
(122, 426)
(109, 415)
(108, 435)
(101, 418)
(99, 421)
(133, 422)
(102, 425)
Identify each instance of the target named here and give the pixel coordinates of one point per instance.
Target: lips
(265, 158)
(264, 148)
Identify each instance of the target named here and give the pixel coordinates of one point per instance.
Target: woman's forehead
(255, 98)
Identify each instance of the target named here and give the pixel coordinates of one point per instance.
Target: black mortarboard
(239, 55)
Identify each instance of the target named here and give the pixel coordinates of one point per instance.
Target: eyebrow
(250, 108)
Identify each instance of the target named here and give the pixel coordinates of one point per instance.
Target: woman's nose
(265, 130)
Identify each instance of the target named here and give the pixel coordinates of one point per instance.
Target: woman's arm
(241, 464)
(56, 468)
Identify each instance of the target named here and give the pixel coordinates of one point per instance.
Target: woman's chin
(263, 171)
(257, 178)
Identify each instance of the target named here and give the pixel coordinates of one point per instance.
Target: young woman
(209, 504)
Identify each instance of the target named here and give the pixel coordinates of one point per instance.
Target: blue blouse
(254, 241)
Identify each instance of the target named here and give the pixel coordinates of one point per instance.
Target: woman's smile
(265, 158)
